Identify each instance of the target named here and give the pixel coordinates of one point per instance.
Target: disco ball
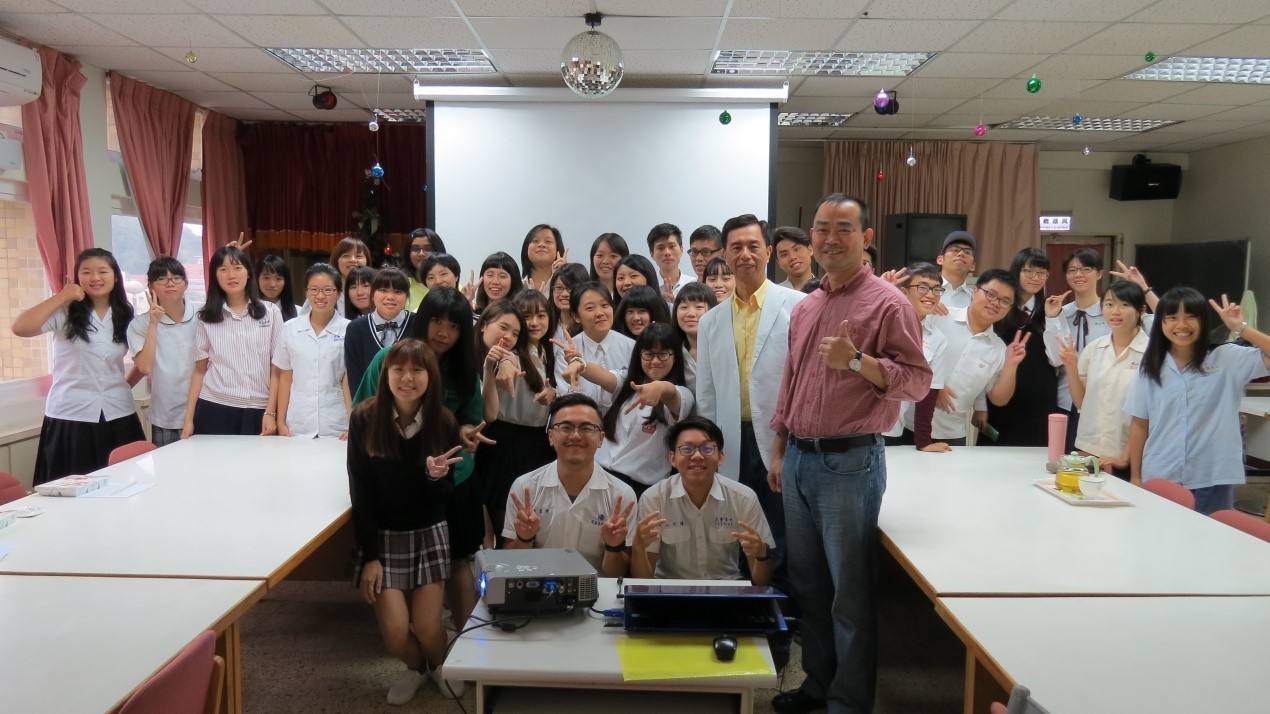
(591, 64)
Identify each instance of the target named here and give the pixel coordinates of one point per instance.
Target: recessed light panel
(810, 119)
(372, 61)
(1239, 70)
(1086, 124)
(413, 116)
(827, 64)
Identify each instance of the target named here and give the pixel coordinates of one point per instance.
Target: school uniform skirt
(411, 558)
(80, 447)
(213, 418)
(520, 449)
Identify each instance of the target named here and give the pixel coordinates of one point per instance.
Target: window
(24, 287)
(128, 243)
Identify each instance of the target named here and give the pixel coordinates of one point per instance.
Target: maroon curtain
(224, 197)
(304, 181)
(53, 153)
(156, 138)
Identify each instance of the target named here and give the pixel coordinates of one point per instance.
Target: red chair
(11, 489)
(1244, 522)
(189, 684)
(1175, 492)
(127, 451)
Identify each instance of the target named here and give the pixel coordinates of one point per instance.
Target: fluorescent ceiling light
(1086, 124)
(718, 95)
(415, 116)
(1240, 70)
(810, 119)
(373, 61)
(829, 64)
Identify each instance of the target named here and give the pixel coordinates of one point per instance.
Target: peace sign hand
(1130, 273)
(239, 244)
(613, 532)
(472, 437)
(1054, 304)
(751, 542)
(1068, 353)
(895, 277)
(649, 529)
(156, 310)
(559, 262)
(1232, 315)
(469, 290)
(439, 466)
(1016, 351)
(527, 521)
(569, 346)
(668, 292)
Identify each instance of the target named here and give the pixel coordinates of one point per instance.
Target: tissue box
(71, 486)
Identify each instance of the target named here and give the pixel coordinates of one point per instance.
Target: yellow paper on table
(649, 657)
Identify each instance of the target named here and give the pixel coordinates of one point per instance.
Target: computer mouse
(724, 648)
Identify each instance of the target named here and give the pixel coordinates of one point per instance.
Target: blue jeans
(754, 474)
(1211, 499)
(831, 515)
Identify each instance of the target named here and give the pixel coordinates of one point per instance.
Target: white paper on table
(6, 549)
(118, 490)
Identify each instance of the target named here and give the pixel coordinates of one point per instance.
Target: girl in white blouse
(691, 304)
(592, 307)
(89, 409)
(313, 397)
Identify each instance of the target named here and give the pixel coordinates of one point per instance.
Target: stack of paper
(71, 486)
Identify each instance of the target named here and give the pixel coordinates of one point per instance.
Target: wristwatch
(856, 362)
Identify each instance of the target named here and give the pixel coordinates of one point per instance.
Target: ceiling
(987, 49)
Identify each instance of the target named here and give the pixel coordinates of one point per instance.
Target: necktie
(385, 326)
(1081, 323)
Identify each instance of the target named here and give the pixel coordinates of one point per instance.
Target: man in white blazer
(741, 348)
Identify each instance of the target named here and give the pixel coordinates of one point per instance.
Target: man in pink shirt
(855, 354)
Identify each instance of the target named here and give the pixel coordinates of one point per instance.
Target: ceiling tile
(1052, 88)
(265, 82)
(528, 32)
(661, 33)
(1080, 138)
(259, 114)
(466, 80)
(987, 105)
(1176, 112)
(1161, 39)
(526, 61)
(539, 8)
(338, 114)
(169, 30)
(873, 134)
(925, 105)
(126, 6)
(1250, 41)
(865, 116)
(1222, 93)
(1255, 111)
(1086, 107)
(904, 35)
(1220, 126)
(1191, 12)
(391, 32)
(841, 9)
(1026, 37)
(945, 88)
(21, 7)
(669, 8)
(260, 7)
(370, 83)
(1016, 135)
(664, 62)
(218, 59)
(935, 9)
(1083, 66)
(663, 81)
(292, 100)
(863, 87)
(180, 81)
(967, 120)
(397, 8)
(291, 31)
(58, 29)
(804, 132)
(782, 34)
(1135, 90)
(967, 65)
(224, 100)
(124, 58)
(1096, 10)
(830, 105)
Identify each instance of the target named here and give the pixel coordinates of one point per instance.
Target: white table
(1105, 655)
(575, 651)
(222, 507)
(73, 644)
(970, 522)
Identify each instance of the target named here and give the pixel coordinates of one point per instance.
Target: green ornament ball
(1034, 85)
(1150, 56)
(725, 118)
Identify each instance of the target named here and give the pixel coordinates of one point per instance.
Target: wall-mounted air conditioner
(19, 74)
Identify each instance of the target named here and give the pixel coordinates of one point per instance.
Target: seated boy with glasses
(572, 502)
(696, 525)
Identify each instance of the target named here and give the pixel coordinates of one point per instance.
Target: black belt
(833, 444)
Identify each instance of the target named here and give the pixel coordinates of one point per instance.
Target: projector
(534, 581)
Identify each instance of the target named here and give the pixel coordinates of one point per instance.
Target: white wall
(800, 170)
(104, 178)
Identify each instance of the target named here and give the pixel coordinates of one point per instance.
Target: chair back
(1175, 492)
(11, 489)
(183, 686)
(1020, 703)
(1244, 522)
(127, 451)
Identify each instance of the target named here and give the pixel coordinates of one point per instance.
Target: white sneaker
(405, 686)
(454, 690)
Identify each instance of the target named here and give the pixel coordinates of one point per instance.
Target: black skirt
(466, 518)
(81, 447)
(520, 449)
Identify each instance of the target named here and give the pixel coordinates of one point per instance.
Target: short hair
(694, 423)
(572, 399)
(164, 265)
(836, 198)
(791, 233)
(1034, 257)
(639, 264)
(922, 269)
(873, 254)
(745, 220)
(716, 266)
(577, 291)
(361, 275)
(349, 245)
(445, 260)
(661, 231)
(1088, 258)
(811, 286)
(1004, 277)
(322, 269)
(706, 232)
(504, 262)
(641, 297)
(390, 279)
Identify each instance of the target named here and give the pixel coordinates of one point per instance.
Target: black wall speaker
(1145, 182)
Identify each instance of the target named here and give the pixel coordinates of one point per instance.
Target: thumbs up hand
(838, 350)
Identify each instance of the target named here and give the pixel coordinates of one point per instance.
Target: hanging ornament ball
(377, 171)
(388, 250)
(881, 176)
(980, 130)
(1034, 84)
(725, 118)
(882, 99)
(911, 161)
(1077, 119)
(191, 57)
(373, 125)
(1150, 56)
(1086, 151)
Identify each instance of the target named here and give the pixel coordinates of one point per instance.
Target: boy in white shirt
(665, 244)
(162, 342)
(922, 284)
(983, 365)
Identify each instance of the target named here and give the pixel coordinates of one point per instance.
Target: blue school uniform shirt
(1194, 435)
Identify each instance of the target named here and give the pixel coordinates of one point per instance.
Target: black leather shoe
(796, 702)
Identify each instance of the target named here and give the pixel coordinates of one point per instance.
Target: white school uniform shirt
(957, 297)
(239, 354)
(690, 370)
(1103, 429)
(520, 408)
(697, 543)
(173, 363)
(613, 353)
(316, 362)
(684, 279)
(976, 364)
(638, 449)
(935, 350)
(1066, 325)
(570, 524)
(389, 335)
(1194, 437)
(88, 377)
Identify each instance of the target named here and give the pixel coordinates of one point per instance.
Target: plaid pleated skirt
(411, 558)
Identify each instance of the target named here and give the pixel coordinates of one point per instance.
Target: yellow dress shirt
(745, 314)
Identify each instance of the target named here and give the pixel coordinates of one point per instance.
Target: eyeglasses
(170, 280)
(419, 249)
(702, 252)
(960, 250)
(568, 428)
(660, 355)
(928, 289)
(993, 297)
(1035, 273)
(325, 292)
(687, 450)
(1084, 270)
(560, 290)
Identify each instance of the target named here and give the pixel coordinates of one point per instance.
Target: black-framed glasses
(993, 297)
(706, 449)
(938, 290)
(419, 249)
(1035, 273)
(961, 250)
(702, 252)
(170, 280)
(325, 292)
(568, 428)
(659, 355)
(1083, 270)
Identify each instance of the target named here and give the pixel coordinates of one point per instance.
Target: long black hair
(1128, 293)
(360, 275)
(525, 265)
(1173, 301)
(274, 263)
(658, 336)
(639, 264)
(692, 292)
(530, 301)
(214, 309)
(641, 297)
(505, 263)
(79, 313)
(495, 310)
(1016, 317)
(460, 363)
